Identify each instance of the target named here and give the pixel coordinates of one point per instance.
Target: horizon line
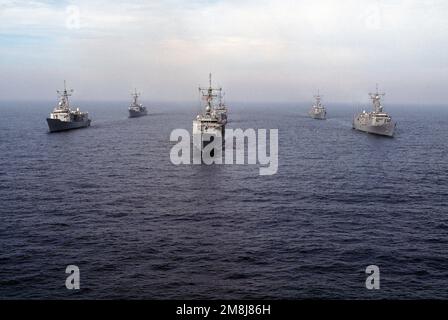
(235, 102)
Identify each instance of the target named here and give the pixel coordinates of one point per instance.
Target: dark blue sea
(108, 199)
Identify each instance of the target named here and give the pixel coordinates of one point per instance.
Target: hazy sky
(259, 50)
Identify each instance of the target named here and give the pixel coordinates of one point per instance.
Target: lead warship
(210, 124)
(136, 109)
(377, 121)
(63, 117)
(318, 111)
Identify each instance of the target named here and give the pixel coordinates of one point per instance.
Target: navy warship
(136, 109)
(318, 111)
(210, 124)
(377, 121)
(63, 117)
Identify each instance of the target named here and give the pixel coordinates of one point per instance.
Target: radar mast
(376, 99)
(63, 97)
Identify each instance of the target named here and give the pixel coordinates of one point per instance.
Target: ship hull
(136, 114)
(202, 137)
(383, 130)
(56, 125)
(318, 116)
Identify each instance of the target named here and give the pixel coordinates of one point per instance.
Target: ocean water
(108, 200)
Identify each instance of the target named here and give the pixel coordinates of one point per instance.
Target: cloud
(271, 50)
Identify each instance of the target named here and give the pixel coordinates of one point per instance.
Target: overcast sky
(259, 50)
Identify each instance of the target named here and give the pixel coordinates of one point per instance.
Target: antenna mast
(135, 95)
(318, 98)
(64, 96)
(210, 93)
(376, 99)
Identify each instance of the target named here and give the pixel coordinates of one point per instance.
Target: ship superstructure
(377, 121)
(64, 117)
(221, 109)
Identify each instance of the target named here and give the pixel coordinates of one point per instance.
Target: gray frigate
(210, 124)
(136, 109)
(318, 111)
(377, 121)
(63, 117)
